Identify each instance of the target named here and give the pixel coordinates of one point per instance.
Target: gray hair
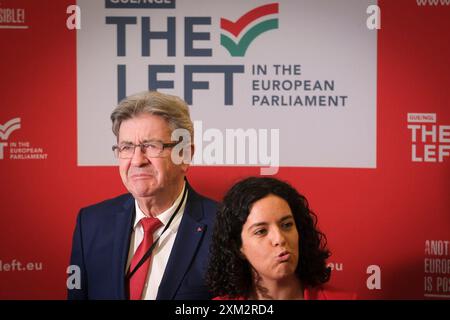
(173, 109)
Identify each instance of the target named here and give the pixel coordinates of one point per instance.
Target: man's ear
(183, 152)
(192, 151)
(187, 162)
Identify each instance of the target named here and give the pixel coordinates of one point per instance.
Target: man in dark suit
(152, 243)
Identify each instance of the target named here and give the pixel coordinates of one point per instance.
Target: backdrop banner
(347, 100)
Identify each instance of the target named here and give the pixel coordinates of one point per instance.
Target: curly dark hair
(229, 274)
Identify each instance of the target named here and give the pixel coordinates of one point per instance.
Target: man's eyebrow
(142, 141)
(151, 140)
(125, 142)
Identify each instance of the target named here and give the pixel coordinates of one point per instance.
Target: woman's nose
(278, 237)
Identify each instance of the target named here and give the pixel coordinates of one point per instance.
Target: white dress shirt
(162, 250)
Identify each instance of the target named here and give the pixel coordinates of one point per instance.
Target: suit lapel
(123, 227)
(189, 236)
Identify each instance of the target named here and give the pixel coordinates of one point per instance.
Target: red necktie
(137, 281)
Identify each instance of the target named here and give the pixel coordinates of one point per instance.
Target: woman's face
(270, 239)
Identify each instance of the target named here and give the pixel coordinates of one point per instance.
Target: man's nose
(139, 158)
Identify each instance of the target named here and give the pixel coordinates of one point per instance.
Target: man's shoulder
(108, 206)
(208, 204)
(201, 208)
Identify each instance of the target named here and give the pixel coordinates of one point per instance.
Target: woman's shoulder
(327, 293)
(229, 298)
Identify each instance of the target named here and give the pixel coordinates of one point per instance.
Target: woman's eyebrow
(286, 217)
(257, 224)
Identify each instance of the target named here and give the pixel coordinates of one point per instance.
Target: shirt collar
(164, 217)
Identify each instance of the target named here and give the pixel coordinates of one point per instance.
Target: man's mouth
(141, 176)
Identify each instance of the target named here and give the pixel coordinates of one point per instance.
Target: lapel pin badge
(199, 229)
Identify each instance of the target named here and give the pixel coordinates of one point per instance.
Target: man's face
(143, 176)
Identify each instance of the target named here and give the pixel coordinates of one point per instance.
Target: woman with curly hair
(266, 245)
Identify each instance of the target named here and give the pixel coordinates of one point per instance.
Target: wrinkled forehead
(144, 127)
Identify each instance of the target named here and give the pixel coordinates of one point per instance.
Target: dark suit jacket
(102, 239)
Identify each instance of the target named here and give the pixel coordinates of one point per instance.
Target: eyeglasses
(151, 149)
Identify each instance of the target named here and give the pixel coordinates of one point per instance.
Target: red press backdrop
(384, 217)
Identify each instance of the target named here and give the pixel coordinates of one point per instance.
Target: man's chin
(142, 191)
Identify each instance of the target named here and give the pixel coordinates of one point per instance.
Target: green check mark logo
(238, 49)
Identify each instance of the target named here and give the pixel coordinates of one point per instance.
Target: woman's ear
(242, 254)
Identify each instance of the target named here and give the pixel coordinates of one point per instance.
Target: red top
(317, 293)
